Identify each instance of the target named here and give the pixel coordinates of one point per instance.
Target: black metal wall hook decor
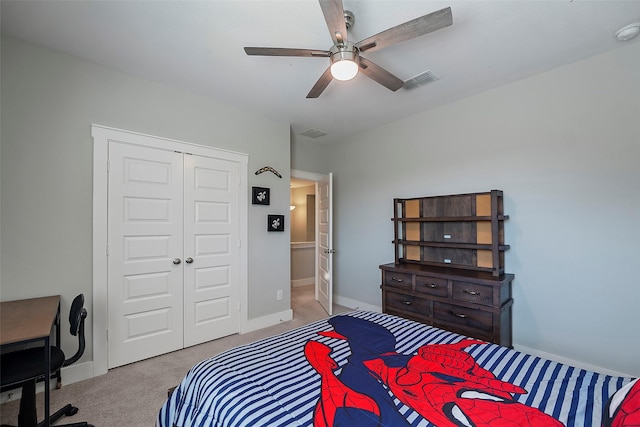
(268, 169)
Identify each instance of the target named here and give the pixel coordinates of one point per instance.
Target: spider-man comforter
(372, 369)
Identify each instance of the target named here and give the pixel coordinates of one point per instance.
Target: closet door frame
(101, 136)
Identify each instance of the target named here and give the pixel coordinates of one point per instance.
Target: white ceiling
(198, 46)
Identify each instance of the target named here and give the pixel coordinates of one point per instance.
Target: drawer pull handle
(407, 302)
(474, 293)
(432, 285)
(460, 315)
(395, 279)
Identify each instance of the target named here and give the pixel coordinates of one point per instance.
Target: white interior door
(211, 249)
(145, 280)
(324, 267)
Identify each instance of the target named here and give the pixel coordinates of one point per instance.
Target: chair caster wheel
(71, 411)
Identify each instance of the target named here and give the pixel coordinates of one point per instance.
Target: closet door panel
(145, 316)
(211, 248)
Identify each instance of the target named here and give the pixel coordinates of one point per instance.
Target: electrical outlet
(279, 295)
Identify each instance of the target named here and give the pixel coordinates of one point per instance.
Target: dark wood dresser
(469, 303)
(449, 265)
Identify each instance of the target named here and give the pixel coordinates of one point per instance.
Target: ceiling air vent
(313, 133)
(420, 80)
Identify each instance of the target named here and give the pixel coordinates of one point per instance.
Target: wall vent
(420, 80)
(313, 133)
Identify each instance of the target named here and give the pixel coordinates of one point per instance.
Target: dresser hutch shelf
(464, 231)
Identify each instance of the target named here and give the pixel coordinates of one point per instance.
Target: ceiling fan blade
(321, 84)
(285, 51)
(334, 17)
(380, 75)
(409, 30)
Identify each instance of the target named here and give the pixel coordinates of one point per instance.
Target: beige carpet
(132, 395)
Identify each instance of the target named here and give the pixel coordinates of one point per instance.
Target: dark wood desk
(30, 321)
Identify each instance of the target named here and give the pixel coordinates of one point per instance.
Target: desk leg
(58, 344)
(47, 382)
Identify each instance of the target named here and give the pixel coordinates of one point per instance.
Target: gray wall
(49, 102)
(309, 155)
(564, 147)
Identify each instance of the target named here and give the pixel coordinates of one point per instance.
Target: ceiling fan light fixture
(344, 69)
(344, 62)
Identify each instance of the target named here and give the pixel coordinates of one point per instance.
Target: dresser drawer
(408, 303)
(467, 317)
(472, 292)
(398, 280)
(474, 304)
(432, 286)
(471, 333)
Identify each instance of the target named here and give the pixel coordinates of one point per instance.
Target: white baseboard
(266, 321)
(303, 282)
(70, 374)
(355, 304)
(77, 372)
(567, 361)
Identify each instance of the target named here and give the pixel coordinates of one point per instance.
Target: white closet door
(211, 249)
(145, 282)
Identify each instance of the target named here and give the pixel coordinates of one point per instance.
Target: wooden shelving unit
(449, 265)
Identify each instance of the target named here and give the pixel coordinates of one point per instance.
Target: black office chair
(23, 368)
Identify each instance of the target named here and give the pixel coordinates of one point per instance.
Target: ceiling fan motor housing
(344, 51)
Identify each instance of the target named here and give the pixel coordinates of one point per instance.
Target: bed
(372, 369)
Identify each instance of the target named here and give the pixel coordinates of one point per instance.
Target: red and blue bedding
(372, 369)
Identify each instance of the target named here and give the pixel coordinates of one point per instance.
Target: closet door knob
(176, 261)
(188, 260)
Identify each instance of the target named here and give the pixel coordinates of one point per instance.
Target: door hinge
(107, 250)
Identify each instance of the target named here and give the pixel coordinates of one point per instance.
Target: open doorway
(303, 242)
(310, 216)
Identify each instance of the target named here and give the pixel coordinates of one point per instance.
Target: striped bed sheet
(279, 381)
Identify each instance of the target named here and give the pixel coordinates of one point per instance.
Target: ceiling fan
(345, 56)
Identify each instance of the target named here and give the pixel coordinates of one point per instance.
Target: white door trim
(101, 136)
(325, 251)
